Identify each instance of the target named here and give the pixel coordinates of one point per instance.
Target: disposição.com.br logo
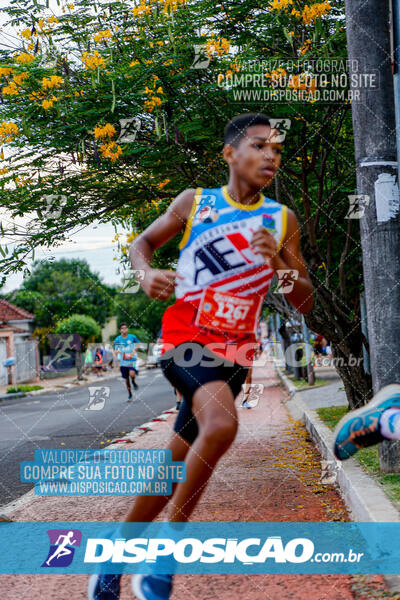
(62, 547)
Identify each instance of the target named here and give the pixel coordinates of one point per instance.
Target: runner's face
(258, 156)
(124, 330)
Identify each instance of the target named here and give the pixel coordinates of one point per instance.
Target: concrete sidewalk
(271, 473)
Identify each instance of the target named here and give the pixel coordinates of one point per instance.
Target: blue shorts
(125, 371)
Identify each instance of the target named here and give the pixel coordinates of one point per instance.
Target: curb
(362, 495)
(291, 388)
(54, 390)
(13, 395)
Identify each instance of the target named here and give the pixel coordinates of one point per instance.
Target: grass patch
(301, 384)
(24, 388)
(331, 415)
(368, 458)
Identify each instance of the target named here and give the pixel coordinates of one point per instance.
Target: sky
(92, 243)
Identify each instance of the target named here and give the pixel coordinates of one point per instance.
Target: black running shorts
(187, 373)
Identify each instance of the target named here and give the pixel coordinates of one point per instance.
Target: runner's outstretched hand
(159, 283)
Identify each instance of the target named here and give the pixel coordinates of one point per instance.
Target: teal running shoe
(361, 427)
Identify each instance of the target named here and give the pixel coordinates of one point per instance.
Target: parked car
(154, 355)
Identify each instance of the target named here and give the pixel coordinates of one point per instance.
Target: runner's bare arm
(288, 258)
(159, 283)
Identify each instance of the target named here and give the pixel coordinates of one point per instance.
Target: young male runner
(234, 240)
(124, 345)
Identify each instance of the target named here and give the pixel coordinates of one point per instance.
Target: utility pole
(369, 53)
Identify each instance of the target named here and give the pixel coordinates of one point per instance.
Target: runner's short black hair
(236, 129)
(123, 325)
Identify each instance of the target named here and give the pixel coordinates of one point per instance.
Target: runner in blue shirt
(124, 345)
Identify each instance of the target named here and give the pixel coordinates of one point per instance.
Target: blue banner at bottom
(208, 548)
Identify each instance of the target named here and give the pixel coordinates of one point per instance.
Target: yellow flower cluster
(4, 170)
(49, 102)
(8, 131)
(306, 47)
(131, 237)
(54, 81)
(10, 89)
(301, 82)
(111, 150)
(141, 9)
(280, 4)
(162, 184)
(52, 20)
(6, 71)
(154, 99)
(170, 5)
(144, 8)
(92, 61)
(315, 11)
(276, 75)
(26, 33)
(24, 58)
(215, 46)
(100, 36)
(108, 130)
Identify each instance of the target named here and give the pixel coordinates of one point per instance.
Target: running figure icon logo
(62, 547)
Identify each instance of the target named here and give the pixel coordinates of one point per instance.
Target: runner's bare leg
(146, 508)
(215, 412)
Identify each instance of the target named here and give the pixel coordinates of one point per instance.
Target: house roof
(10, 312)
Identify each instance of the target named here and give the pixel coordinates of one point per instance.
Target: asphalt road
(63, 420)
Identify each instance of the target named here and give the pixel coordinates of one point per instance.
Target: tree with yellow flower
(125, 108)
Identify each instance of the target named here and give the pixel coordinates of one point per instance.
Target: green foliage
(55, 290)
(42, 335)
(86, 326)
(24, 389)
(142, 314)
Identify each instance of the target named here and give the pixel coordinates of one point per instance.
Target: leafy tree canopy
(55, 290)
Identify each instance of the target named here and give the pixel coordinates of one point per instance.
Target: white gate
(25, 354)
